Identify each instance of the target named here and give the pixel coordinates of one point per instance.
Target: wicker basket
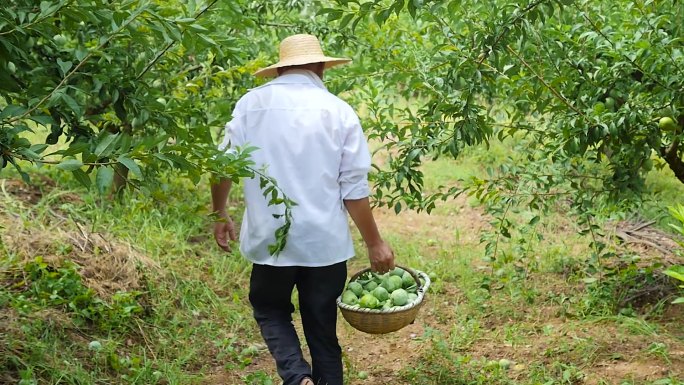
(377, 321)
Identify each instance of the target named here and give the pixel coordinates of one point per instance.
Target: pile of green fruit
(381, 291)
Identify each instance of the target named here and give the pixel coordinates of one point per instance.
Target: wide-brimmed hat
(298, 50)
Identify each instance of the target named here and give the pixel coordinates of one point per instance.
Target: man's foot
(306, 381)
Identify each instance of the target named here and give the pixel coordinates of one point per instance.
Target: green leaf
(104, 179)
(64, 66)
(82, 177)
(678, 300)
(72, 104)
(38, 148)
(42, 119)
(185, 20)
(12, 110)
(70, 164)
(28, 154)
(104, 148)
(131, 165)
(675, 273)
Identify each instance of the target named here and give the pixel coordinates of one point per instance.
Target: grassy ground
(151, 300)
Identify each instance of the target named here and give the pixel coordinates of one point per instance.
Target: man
(311, 142)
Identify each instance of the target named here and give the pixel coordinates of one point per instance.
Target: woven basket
(377, 321)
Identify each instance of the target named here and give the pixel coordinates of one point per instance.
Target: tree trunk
(671, 156)
(120, 179)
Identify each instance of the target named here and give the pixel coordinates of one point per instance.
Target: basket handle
(411, 271)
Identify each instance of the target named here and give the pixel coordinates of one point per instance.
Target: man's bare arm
(224, 230)
(380, 254)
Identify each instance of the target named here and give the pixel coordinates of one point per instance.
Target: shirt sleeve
(356, 162)
(225, 145)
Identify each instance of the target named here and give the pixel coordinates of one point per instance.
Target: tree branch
(547, 85)
(78, 66)
(171, 44)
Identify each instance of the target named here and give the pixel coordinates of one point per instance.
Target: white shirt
(311, 142)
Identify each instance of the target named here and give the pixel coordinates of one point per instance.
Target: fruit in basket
(399, 297)
(381, 293)
(350, 298)
(355, 288)
(371, 285)
(407, 280)
(368, 301)
(392, 283)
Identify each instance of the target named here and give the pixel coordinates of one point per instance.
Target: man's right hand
(224, 231)
(381, 257)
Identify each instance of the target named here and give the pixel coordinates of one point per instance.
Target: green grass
(533, 309)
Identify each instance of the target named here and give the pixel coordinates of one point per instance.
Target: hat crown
(299, 50)
(300, 45)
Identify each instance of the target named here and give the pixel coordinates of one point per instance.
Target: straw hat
(298, 50)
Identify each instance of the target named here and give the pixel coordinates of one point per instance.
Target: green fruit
(369, 302)
(599, 107)
(610, 104)
(433, 276)
(370, 286)
(95, 345)
(399, 297)
(355, 288)
(362, 375)
(412, 297)
(349, 298)
(392, 283)
(398, 271)
(407, 280)
(11, 68)
(504, 363)
(648, 165)
(59, 40)
(136, 122)
(380, 293)
(387, 305)
(667, 124)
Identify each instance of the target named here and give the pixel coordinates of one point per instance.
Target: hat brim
(272, 71)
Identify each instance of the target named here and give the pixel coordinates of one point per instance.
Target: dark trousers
(270, 291)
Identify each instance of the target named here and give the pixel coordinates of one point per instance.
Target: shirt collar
(299, 76)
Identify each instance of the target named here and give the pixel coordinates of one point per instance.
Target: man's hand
(224, 231)
(381, 257)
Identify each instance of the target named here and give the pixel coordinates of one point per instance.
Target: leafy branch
(79, 65)
(161, 53)
(276, 197)
(38, 19)
(546, 84)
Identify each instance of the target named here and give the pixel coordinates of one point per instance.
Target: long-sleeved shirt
(312, 143)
